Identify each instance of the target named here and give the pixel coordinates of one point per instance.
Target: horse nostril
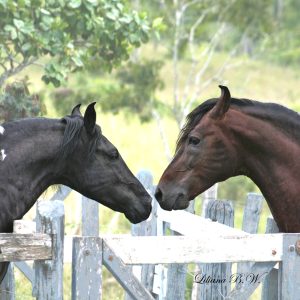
(180, 196)
(158, 195)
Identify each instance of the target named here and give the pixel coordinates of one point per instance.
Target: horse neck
(270, 157)
(28, 168)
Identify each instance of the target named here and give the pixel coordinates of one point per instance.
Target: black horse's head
(92, 165)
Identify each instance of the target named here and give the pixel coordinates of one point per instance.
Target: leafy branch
(69, 33)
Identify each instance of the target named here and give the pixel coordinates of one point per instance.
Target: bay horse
(39, 152)
(228, 137)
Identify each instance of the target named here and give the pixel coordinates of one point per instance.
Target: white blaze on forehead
(2, 129)
(3, 155)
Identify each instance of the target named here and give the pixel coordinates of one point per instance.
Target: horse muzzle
(141, 212)
(176, 199)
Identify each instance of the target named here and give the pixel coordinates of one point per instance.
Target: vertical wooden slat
(145, 228)
(90, 217)
(49, 274)
(289, 275)
(208, 195)
(176, 275)
(148, 227)
(251, 218)
(7, 287)
(87, 254)
(176, 281)
(86, 268)
(252, 212)
(222, 212)
(270, 284)
(160, 271)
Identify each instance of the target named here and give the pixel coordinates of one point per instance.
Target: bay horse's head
(90, 164)
(204, 155)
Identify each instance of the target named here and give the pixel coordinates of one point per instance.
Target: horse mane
(276, 113)
(72, 132)
(71, 135)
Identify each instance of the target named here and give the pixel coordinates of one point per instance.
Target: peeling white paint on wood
(48, 283)
(18, 247)
(53, 209)
(86, 268)
(189, 224)
(24, 226)
(197, 249)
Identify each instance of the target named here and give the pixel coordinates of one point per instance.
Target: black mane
(281, 115)
(73, 130)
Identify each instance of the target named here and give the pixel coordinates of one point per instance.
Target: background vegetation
(147, 64)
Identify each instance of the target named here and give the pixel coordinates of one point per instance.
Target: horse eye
(114, 154)
(194, 140)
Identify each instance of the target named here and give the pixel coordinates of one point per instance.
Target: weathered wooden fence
(151, 265)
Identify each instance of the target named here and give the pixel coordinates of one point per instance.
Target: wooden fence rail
(88, 255)
(18, 247)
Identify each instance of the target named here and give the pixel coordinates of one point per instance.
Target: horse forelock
(192, 119)
(275, 113)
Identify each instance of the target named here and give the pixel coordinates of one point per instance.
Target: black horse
(36, 153)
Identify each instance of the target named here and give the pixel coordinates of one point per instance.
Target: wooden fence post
(62, 193)
(21, 226)
(252, 212)
(87, 255)
(146, 228)
(86, 268)
(176, 276)
(270, 284)
(7, 287)
(90, 217)
(160, 271)
(208, 195)
(251, 218)
(176, 281)
(222, 212)
(289, 275)
(48, 282)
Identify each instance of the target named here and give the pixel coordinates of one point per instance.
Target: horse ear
(222, 104)
(90, 118)
(76, 111)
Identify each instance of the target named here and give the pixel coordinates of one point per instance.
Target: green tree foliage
(254, 19)
(284, 46)
(135, 93)
(72, 33)
(132, 90)
(16, 102)
(236, 188)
